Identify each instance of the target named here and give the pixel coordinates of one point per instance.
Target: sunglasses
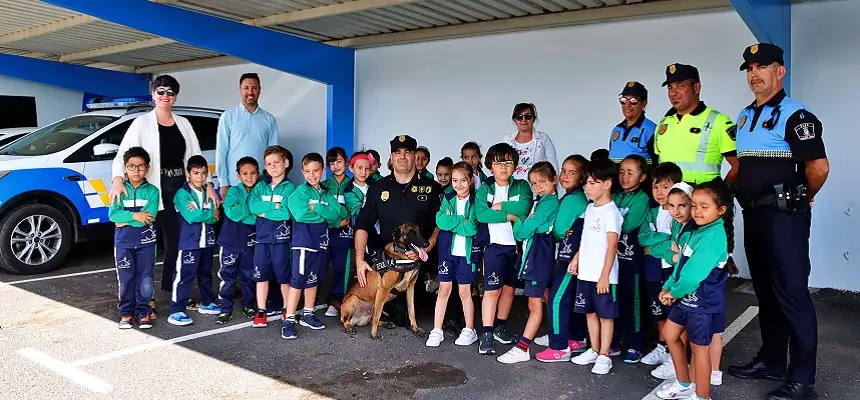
(168, 92)
(632, 100)
(524, 117)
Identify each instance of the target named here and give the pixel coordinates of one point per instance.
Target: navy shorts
(500, 267)
(587, 300)
(701, 327)
(456, 269)
(308, 266)
(272, 261)
(534, 288)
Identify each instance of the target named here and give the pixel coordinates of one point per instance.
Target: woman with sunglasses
(532, 145)
(170, 140)
(634, 135)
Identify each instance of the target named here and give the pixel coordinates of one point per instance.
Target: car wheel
(34, 239)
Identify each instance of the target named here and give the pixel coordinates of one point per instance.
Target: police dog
(364, 304)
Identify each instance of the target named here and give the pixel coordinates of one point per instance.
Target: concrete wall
(52, 103)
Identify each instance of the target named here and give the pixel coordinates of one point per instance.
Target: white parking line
(46, 278)
(73, 374)
(731, 331)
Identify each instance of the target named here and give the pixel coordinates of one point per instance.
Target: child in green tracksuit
(134, 240)
(340, 236)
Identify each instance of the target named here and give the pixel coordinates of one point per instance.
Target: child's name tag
(688, 252)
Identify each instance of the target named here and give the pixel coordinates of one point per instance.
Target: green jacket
(702, 250)
(144, 198)
(571, 207)
(197, 215)
(540, 220)
(354, 200)
(327, 209)
(264, 198)
(338, 190)
(649, 236)
(520, 206)
(633, 206)
(449, 222)
(374, 177)
(236, 205)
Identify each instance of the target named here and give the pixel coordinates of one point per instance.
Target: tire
(54, 239)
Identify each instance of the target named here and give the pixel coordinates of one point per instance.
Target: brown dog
(364, 304)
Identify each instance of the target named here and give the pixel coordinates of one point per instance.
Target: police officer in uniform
(635, 134)
(692, 135)
(782, 166)
(402, 196)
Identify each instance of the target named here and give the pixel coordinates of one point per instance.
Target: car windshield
(57, 136)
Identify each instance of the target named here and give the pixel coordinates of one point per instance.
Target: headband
(684, 187)
(361, 156)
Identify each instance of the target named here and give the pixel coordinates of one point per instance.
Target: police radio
(793, 198)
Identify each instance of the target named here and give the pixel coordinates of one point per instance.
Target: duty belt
(172, 172)
(761, 202)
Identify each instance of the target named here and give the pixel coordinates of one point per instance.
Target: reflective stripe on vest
(702, 150)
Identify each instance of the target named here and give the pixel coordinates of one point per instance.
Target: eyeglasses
(524, 117)
(168, 92)
(632, 100)
(508, 163)
(135, 168)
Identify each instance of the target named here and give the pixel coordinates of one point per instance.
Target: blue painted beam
(340, 130)
(770, 22)
(74, 77)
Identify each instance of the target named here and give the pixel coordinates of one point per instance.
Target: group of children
(583, 255)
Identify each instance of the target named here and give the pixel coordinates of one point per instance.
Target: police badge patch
(663, 129)
(384, 196)
(615, 135)
(805, 131)
(743, 121)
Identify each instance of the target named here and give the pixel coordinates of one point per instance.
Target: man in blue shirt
(246, 130)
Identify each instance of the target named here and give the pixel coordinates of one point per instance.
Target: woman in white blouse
(532, 145)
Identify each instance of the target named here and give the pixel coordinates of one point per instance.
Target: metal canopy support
(74, 77)
(331, 65)
(770, 22)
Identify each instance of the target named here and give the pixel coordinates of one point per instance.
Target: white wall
(825, 67)
(52, 103)
(298, 104)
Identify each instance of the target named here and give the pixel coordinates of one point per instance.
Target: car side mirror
(105, 151)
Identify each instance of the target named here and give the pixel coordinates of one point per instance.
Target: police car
(54, 181)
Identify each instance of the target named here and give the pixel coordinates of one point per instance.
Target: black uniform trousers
(777, 249)
(167, 228)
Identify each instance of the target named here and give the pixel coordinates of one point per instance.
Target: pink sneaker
(550, 355)
(576, 346)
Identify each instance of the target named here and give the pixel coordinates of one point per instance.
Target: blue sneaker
(288, 329)
(179, 318)
(311, 321)
(211, 309)
(632, 356)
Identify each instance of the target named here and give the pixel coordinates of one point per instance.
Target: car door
(206, 128)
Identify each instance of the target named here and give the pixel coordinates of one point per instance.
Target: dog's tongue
(421, 253)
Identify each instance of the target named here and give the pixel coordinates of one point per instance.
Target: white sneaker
(467, 337)
(666, 370)
(657, 356)
(514, 355)
(435, 339)
(331, 312)
(602, 365)
(316, 307)
(589, 357)
(676, 391)
(542, 341)
(716, 378)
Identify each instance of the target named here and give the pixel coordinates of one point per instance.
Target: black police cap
(403, 142)
(762, 54)
(681, 72)
(635, 89)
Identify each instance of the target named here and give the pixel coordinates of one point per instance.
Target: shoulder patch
(743, 121)
(615, 135)
(732, 131)
(663, 128)
(805, 131)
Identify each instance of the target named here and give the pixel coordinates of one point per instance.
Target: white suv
(55, 180)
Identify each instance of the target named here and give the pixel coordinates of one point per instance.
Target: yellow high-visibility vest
(696, 142)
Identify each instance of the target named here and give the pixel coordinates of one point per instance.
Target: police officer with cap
(635, 133)
(402, 196)
(692, 135)
(783, 165)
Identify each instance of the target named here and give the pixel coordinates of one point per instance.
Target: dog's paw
(418, 331)
(377, 337)
(350, 331)
(387, 325)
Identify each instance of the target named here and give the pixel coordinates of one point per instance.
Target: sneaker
(716, 378)
(321, 307)
(542, 341)
(145, 322)
(486, 344)
(153, 309)
(665, 370)
(676, 391)
(602, 365)
(311, 321)
(588, 357)
(192, 305)
(615, 352)
(435, 339)
(125, 322)
(223, 318)
(288, 329)
(632, 356)
(576, 346)
(502, 335)
(431, 286)
(467, 337)
(550, 355)
(179, 318)
(260, 320)
(209, 309)
(249, 312)
(331, 312)
(514, 355)
(272, 313)
(657, 356)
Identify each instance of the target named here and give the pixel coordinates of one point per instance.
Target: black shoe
(485, 344)
(793, 391)
(249, 312)
(756, 370)
(223, 318)
(502, 334)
